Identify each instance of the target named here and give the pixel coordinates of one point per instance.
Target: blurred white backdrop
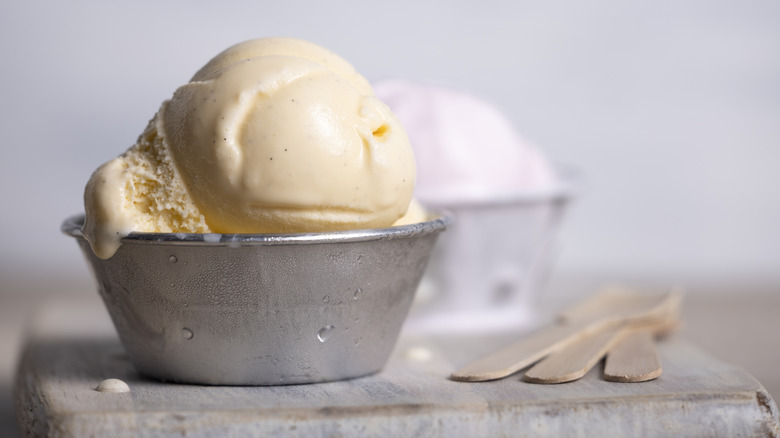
(671, 109)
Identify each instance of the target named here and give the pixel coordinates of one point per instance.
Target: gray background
(670, 109)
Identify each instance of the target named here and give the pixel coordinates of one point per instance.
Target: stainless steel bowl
(261, 309)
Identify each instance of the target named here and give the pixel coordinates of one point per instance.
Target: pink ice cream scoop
(466, 150)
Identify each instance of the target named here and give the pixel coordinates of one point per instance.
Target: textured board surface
(70, 350)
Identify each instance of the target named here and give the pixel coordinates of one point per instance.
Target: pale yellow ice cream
(271, 136)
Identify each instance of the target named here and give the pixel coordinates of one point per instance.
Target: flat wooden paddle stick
(576, 360)
(604, 311)
(633, 359)
(573, 362)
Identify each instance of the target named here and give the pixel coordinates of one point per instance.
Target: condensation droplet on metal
(187, 333)
(358, 293)
(325, 299)
(325, 333)
(173, 259)
(212, 237)
(114, 386)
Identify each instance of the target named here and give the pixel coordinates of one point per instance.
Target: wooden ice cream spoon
(633, 359)
(598, 320)
(574, 361)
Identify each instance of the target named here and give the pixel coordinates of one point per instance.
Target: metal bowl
(487, 272)
(261, 309)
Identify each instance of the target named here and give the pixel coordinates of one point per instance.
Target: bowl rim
(440, 220)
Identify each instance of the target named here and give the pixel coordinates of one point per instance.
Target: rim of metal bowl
(440, 219)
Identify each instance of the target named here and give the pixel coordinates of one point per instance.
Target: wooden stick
(575, 361)
(601, 313)
(633, 359)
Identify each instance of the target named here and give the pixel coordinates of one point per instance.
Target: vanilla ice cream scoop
(284, 47)
(271, 136)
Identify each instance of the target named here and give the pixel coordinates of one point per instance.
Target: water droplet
(212, 237)
(187, 333)
(325, 333)
(173, 259)
(325, 299)
(358, 293)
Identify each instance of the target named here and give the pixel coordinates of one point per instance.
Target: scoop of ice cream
(271, 136)
(466, 149)
(284, 47)
(288, 145)
(139, 191)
